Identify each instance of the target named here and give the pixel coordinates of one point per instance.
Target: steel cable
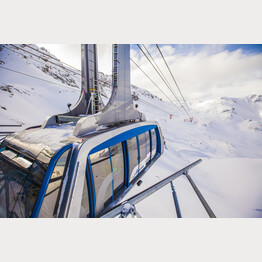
(173, 78)
(156, 85)
(38, 78)
(162, 78)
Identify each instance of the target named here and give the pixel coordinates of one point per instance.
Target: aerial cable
(173, 78)
(160, 71)
(152, 105)
(44, 63)
(64, 68)
(164, 81)
(167, 83)
(162, 78)
(52, 57)
(38, 78)
(47, 60)
(156, 85)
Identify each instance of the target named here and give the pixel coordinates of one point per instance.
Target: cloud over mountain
(207, 71)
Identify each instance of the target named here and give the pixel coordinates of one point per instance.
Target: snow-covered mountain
(34, 86)
(226, 133)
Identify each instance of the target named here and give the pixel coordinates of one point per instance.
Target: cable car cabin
(51, 173)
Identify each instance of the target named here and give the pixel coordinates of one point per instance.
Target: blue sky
(71, 52)
(248, 49)
(204, 70)
(185, 49)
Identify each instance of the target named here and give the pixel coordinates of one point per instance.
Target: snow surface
(29, 100)
(226, 133)
(229, 142)
(54, 137)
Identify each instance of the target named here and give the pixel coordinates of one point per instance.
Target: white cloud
(201, 73)
(104, 54)
(71, 54)
(211, 72)
(168, 50)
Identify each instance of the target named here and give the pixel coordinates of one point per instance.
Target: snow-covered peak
(256, 98)
(226, 108)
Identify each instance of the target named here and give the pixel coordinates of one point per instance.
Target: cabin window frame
(48, 174)
(137, 158)
(87, 215)
(109, 166)
(91, 181)
(55, 192)
(119, 187)
(122, 138)
(140, 147)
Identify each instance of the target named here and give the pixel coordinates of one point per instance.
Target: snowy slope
(226, 133)
(28, 100)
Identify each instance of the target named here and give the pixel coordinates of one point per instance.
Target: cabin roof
(50, 139)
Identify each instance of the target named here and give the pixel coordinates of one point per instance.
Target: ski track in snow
(226, 134)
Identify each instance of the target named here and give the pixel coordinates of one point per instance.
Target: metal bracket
(127, 209)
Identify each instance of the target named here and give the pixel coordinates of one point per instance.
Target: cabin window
(144, 147)
(153, 136)
(108, 172)
(51, 198)
(84, 211)
(147, 145)
(103, 177)
(117, 158)
(133, 157)
(19, 187)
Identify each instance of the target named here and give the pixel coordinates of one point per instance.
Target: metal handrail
(178, 212)
(113, 212)
(201, 198)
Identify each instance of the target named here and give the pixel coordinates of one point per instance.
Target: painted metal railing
(201, 198)
(120, 209)
(178, 212)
